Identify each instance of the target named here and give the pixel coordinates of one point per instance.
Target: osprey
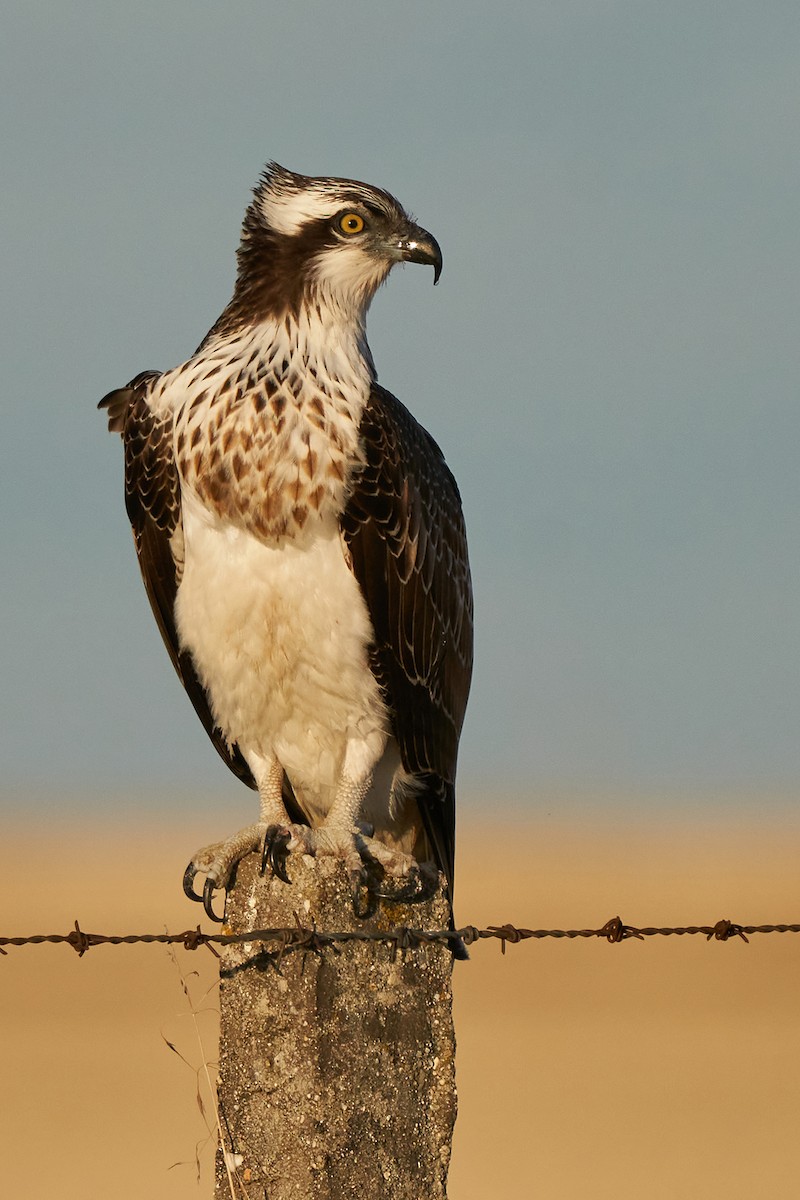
(303, 548)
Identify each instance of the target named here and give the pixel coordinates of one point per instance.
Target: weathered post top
(337, 1066)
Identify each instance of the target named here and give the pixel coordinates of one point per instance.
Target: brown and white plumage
(302, 543)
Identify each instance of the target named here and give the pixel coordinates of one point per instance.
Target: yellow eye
(351, 223)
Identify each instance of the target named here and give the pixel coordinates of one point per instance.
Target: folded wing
(153, 502)
(405, 532)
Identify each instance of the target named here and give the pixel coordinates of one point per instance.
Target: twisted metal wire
(402, 937)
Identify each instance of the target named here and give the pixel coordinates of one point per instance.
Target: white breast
(279, 636)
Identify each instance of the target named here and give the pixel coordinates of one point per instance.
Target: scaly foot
(217, 863)
(376, 871)
(370, 863)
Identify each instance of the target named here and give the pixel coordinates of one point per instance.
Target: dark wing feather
(405, 532)
(153, 502)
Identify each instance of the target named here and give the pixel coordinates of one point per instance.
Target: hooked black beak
(419, 246)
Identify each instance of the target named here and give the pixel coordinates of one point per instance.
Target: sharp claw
(188, 884)
(208, 896)
(420, 886)
(279, 855)
(275, 852)
(402, 895)
(407, 893)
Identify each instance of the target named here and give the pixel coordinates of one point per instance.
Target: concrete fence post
(337, 1066)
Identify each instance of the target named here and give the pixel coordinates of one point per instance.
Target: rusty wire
(402, 937)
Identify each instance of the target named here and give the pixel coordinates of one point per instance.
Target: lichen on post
(337, 1065)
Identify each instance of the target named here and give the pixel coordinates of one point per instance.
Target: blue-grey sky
(611, 361)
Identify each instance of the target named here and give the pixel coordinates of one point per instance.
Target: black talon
(188, 884)
(208, 896)
(279, 854)
(276, 852)
(407, 894)
(422, 884)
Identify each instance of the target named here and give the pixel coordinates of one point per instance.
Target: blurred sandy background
(612, 366)
(667, 1068)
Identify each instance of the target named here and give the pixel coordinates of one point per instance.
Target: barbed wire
(401, 937)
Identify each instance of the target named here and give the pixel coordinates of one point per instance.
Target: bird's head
(325, 241)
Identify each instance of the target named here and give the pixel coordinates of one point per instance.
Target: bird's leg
(369, 861)
(341, 835)
(217, 861)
